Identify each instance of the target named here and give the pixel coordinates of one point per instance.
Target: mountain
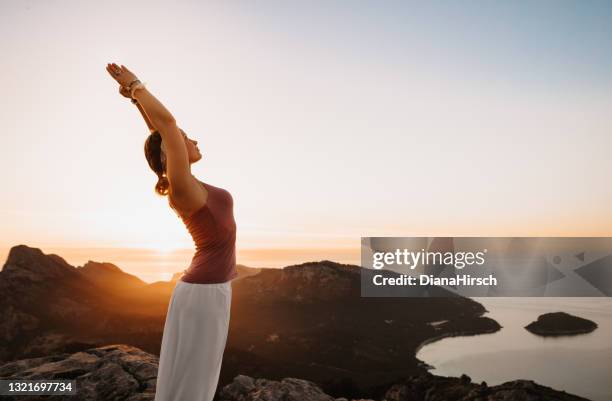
(123, 373)
(108, 274)
(48, 305)
(310, 321)
(243, 271)
(305, 320)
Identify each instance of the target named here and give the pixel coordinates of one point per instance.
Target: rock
(425, 387)
(560, 324)
(73, 366)
(245, 388)
(14, 323)
(109, 373)
(353, 399)
(125, 373)
(428, 387)
(399, 392)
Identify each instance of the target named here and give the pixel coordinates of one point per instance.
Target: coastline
(457, 333)
(452, 334)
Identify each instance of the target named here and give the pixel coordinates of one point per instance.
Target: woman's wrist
(134, 87)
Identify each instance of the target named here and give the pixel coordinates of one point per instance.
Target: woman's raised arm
(126, 93)
(178, 168)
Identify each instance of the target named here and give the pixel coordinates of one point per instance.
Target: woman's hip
(202, 299)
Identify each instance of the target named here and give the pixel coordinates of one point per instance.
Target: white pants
(194, 338)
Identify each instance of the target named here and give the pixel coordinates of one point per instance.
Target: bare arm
(178, 169)
(124, 91)
(145, 117)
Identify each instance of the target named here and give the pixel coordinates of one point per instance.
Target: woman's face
(192, 148)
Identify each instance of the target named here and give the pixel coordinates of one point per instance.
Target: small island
(560, 324)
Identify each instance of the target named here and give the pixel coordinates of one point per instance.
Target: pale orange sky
(325, 122)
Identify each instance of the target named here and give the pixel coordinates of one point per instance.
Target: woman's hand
(124, 92)
(122, 75)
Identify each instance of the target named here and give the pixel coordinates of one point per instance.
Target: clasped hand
(122, 76)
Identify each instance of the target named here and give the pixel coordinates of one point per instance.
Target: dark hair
(152, 149)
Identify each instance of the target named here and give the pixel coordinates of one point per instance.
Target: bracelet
(137, 85)
(132, 83)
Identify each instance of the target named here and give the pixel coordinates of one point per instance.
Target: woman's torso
(213, 230)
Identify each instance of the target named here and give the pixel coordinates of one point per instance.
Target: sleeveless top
(213, 230)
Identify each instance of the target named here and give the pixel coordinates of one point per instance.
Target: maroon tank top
(213, 230)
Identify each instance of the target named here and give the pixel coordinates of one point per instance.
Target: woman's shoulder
(184, 205)
(211, 187)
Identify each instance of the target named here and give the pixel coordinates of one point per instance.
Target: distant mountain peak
(323, 264)
(323, 271)
(105, 273)
(100, 266)
(31, 262)
(304, 283)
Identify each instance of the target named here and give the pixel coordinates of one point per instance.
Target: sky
(327, 121)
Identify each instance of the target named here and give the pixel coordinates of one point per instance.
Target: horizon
(152, 265)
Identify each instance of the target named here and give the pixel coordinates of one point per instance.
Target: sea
(579, 364)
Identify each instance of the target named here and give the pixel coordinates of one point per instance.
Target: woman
(195, 332)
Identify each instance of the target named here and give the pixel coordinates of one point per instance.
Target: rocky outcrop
(124, 373)
(245, 388)
(560, 324)
(427, 387)
(110, 373)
